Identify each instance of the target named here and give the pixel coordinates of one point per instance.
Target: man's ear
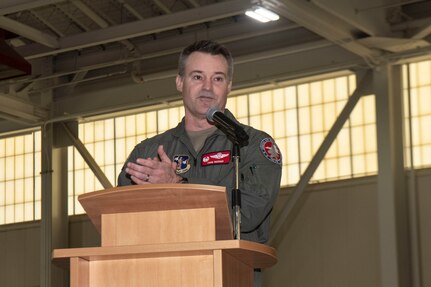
(179, 83)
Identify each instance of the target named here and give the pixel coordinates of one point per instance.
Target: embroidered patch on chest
(218, 157)
(183, 163)
(270, 150)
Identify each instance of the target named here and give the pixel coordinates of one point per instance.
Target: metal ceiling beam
(28, 32)
(90, 13)
(193, 3)
(411, 25)
(102, 96)
(150, 26)
(132, 10)
(13, 6)
(372, 22)
(20, 111)
(98, 19)
(315, 19)
(72, 17)
(47, 23)
(238, 33)
(422, 33)
(162, 6)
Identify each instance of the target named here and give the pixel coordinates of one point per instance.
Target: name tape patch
(218, 157)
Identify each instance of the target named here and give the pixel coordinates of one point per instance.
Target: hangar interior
(343, 86)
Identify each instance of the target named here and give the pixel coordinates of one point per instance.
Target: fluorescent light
(261, 14)
(267, 14)
(256, 16)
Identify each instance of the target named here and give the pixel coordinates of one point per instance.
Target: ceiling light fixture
(261, 14)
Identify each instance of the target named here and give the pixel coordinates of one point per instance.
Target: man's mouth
(206, 98)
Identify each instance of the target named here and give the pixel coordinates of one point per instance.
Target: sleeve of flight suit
(260, 171)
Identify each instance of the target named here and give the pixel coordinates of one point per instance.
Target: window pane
(19, 212)
(266, 102)
(278, 100)
(99, 130)
(28, 165)
(268, 123)
(10, 214)
(2, 194)
(317, 118)
(28, 211)
(2, 169)
(109, 129)
(109, 152)
(151, 122)
(141, 126)
(10, 146)
(255, 106)
(303, 95)
(304, 120)
(292, 154)
(88, 132)
(163, 120)
(120, 127)
(290, 93)
(280, 125)
(344, 166)
(291, 122)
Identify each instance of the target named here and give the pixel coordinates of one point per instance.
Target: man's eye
(197, 77)
(219, 79)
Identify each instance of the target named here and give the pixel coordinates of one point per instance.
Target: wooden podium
(163, 235)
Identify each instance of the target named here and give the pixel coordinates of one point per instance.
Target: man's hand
(153, 170)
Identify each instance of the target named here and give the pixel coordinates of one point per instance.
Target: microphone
(234, 131)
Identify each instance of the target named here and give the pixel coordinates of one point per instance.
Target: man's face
(205, 83)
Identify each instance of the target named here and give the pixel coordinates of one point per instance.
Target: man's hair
(209, 47)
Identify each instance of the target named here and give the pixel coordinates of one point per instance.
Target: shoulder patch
(270, 150)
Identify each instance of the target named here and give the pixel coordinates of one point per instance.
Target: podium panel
(158, 227)
(191, 271)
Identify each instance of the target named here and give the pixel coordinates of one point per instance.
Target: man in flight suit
(197, 152)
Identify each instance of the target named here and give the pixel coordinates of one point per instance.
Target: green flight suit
(260, 170)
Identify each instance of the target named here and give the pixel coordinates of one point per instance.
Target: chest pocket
(221, 173)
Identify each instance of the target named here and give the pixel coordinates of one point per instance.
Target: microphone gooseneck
(239, 138)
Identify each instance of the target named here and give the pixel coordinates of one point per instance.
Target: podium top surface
(160, 197)
(254, 254)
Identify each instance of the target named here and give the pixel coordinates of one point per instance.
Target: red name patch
(218, 157)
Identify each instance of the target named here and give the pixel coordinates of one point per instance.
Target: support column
(54, 223)
(392, 198)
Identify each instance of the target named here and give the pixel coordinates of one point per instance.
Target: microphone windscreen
(210, 113)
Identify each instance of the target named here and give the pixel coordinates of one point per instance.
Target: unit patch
(218, 157)
(270, 150)
(183, 163)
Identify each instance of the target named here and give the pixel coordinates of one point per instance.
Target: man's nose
(208, 85)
